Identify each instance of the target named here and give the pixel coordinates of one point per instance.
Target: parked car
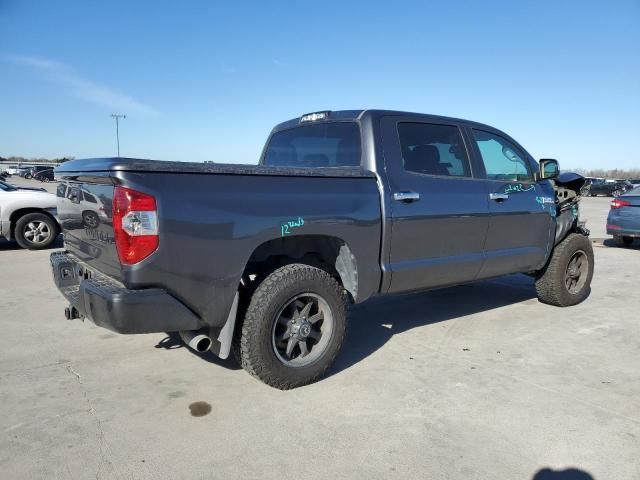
(623, 221)
(28, 216)
(25, 172)
(33, 171)
(607, 188)
(342, 207)
(5, 174)
(627, 185)
(44, 175)
(11, 169)
(635, 182)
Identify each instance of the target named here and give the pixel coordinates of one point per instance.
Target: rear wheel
(294, 326)
(35, 231)
(566, 280)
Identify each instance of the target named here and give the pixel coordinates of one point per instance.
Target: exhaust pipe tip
(202, 343)
(196, 341)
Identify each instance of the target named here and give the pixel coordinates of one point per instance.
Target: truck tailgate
(85, 210)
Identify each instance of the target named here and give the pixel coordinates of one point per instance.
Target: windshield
(335, 144)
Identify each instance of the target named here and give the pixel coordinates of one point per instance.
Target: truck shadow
(372, 323)
(568, 474)
(610, 242)
(6, 245)
(173, 341)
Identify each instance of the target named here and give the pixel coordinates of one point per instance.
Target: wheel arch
(329, 253)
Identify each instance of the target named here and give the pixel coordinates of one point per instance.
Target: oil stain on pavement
(199, 409)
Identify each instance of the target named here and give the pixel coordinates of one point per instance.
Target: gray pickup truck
(263, 260)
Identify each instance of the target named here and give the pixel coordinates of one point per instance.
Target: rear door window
(331, 144)
(433, 149)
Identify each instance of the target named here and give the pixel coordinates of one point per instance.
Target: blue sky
(207, 80)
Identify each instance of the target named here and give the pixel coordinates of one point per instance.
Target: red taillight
(135, 225)
(617, 203)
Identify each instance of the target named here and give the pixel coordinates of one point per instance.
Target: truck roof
(375, 114)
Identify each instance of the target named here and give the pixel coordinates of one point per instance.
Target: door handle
(406, 196)
(498, 197)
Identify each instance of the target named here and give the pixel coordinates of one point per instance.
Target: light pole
(117, 117)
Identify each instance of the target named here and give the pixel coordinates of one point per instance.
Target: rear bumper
(115, 307)
(623, 233)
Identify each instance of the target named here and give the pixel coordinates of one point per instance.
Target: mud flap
(222, 337)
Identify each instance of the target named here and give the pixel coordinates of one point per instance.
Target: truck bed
(212, 218)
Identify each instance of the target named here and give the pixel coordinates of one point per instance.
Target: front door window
(502, 160)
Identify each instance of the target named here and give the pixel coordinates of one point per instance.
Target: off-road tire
(550, 282)
(19, 232)
(255, 348)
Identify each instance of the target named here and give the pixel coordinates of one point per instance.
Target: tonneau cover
(158, 166)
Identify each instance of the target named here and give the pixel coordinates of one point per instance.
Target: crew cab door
(522, 211)
(436, 209)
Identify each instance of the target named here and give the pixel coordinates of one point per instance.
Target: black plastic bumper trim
(122, 310)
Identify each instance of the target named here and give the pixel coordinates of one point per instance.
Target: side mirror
(549, 168)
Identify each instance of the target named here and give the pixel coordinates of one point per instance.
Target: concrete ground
(595, 210)
(473, 382)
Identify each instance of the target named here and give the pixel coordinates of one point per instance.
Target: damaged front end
(569, 188)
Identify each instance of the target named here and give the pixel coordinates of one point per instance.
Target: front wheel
(566, 280)
(294, 326)
(35, 231)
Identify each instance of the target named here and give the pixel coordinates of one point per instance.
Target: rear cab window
(326, 144)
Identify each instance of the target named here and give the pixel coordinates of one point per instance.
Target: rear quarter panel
(211, 224)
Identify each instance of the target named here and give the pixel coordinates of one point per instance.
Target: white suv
(28, 216)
